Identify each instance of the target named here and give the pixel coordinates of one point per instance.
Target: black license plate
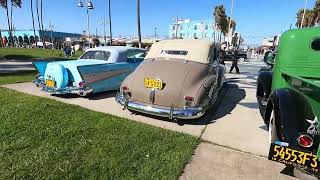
(294, 157)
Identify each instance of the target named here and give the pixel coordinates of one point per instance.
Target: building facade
(193, 29)
(28, 36)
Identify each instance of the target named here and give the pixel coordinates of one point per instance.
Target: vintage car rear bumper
(82, 91)
(172, 113)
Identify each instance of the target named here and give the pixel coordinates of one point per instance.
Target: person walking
(235, 63)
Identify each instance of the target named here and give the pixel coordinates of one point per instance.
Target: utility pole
(304, 13)
(138, 18)
(51, 29)
(176, 25)
(155, 33)
(110, 26)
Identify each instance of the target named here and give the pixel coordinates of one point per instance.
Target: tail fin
(40, 67)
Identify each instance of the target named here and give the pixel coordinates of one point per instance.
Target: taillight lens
(81, 84)
(126, 91)
(125, 88)
(189, 98)
(305, 141)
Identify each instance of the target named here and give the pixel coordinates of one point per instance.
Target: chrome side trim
(82, 91)
(179, 113)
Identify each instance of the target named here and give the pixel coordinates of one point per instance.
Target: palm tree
(221, 20)
(39, 22)
(34, 29)
(3, 4)
(316, 13)
(138, 23)
(42, 29)
(17, 4)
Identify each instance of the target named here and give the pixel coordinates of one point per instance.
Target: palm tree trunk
(138, 17)
(34, 28)
(39, 22)
(9, 27)
(42, 29)
(11, 23)
(1, 38)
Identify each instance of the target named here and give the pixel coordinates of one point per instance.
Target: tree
(3, 5)
(316, 13)
(17, 4)
(32, 15)
(221, 21)
(311, 17)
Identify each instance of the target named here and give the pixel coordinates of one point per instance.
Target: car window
(97, 55)
(136, 54)
(174, 52)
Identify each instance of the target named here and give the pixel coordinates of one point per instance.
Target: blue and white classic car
(97, 70)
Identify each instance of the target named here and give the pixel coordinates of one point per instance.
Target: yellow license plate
(153, 83)
(294, 157)
(50, 83)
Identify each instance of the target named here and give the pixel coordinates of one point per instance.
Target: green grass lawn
(24, 53)
(26, 76)
(45, 139)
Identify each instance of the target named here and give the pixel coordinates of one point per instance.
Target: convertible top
(201, 51)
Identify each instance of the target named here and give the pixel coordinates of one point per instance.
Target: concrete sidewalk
(219, 163)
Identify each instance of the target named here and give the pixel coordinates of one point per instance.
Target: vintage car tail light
(126, 91)
(305, 141)
(81, 84)
(125, 88)
(189, 100)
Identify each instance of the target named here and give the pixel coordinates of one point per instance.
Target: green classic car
(289, 101)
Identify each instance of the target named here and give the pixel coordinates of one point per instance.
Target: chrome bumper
(82, 91)
(178, 113)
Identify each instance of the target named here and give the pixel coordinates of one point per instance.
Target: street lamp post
(110, 26)
(104, 23)
(304, 13)
(89, 6)
(51, 29)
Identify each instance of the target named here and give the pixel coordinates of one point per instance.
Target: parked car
(97, 70)
(178, 79)
(290, 101)
(240, 55)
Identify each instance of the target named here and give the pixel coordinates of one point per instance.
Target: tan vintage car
(178, 79)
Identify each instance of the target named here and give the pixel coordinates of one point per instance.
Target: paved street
(11, 66)
(235, 140)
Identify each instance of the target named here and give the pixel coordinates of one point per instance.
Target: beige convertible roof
(189, 49)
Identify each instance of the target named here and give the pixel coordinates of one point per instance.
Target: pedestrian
(222, 56)
(235, 63)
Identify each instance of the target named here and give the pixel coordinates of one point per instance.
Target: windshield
(97, 55)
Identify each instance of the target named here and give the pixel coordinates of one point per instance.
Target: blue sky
(255, 18)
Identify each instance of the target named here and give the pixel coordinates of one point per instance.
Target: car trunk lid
(171, 72)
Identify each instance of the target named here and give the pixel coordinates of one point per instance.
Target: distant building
(193, 29)
(28, 37)
(271, 41)
(203, 29)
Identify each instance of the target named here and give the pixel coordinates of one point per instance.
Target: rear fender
(103, 77)
(292, 111)
(40, 67)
